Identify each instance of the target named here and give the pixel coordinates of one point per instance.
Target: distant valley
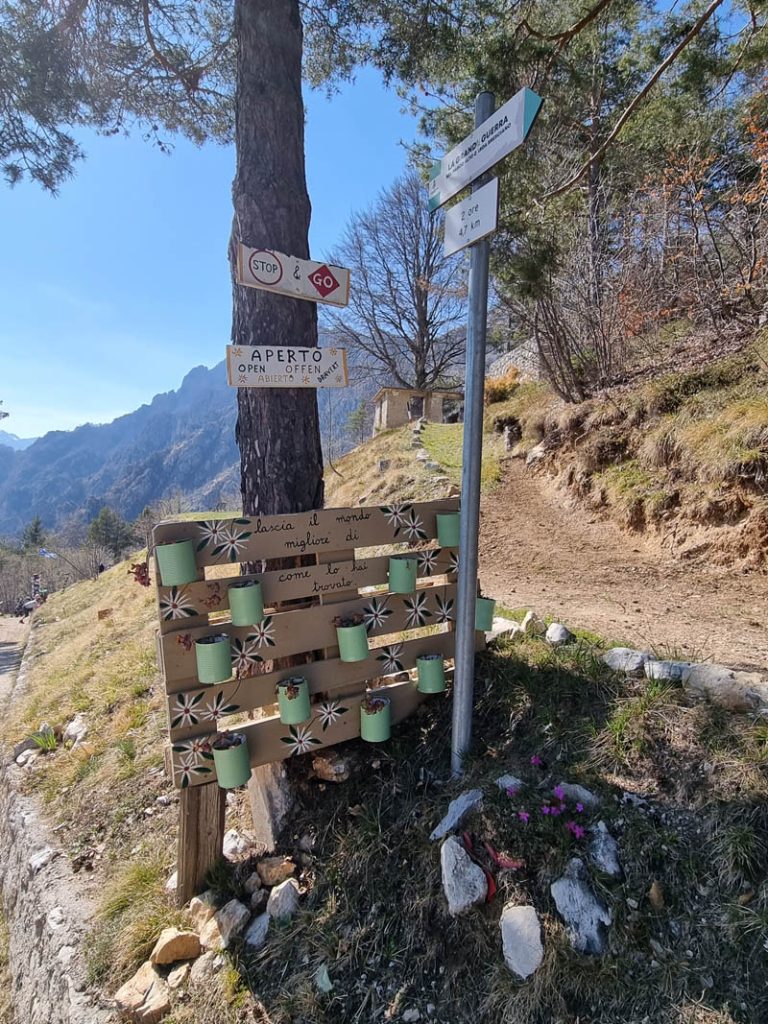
(182, 441)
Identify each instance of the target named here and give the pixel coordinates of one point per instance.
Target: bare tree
(404, 320)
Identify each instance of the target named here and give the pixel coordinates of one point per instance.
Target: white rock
(411, 1016)
(76, 731)
(671, 671)
(173, 945)
(55, 918)
(626, 660)
(464, 882)
(27, 757)
(731, 689)
(457, 811)
(41, 859)
(252, 883)
(557, 635)
(178, 976)
(603, 850)
(579, 795)
(532, 624)
(323, 981)
(204, 969)
(172, 883)
(505, 782)
(256, 935)
(225, 925)
(422, 455)
(235, 845)
(284, 900)
(536, 454)
(201, 909)
(504, 627)
(145, 998)
(585, 915)
(521, 939)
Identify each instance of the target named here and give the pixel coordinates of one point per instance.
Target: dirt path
(536, 553)
(12, 636)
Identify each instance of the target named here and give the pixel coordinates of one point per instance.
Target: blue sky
(113, 290)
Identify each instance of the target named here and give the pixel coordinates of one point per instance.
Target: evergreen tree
(33, 536)
(109, 530)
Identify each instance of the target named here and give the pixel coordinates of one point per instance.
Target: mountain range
(182, 441)
(15, 442)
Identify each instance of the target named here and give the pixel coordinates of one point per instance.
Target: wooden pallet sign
(352, 547)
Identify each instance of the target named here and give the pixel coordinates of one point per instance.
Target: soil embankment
(580, 568)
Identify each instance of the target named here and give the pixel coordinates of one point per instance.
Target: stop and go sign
(289, 275)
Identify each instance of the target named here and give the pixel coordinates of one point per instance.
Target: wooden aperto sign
(351, 548)
(286, 366)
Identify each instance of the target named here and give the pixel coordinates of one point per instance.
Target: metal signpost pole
(464, 672)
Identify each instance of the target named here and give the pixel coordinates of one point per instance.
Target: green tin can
(232, 760)
(448, 524)
(375, 719)
(431, 669)
(176, 563)
(402, 574)
(246, 604)
(293, 700)
(214, 659)
(353, 642)
(484, 607)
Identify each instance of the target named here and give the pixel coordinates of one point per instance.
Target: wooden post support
(201, 837)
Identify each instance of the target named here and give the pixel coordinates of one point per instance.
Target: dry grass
(6, 983)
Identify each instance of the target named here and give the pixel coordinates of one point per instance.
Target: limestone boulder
(458, 809)
(586, 917)
(145, 998)
(284, 900)
(464, 882)
(256, 934)
(174, 945)
(558, 635)
(274, 870)
(225, 925)
(521, 939)
(201, 909)
(627, 660)
(731, 689)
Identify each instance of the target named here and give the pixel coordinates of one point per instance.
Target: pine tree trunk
(278, 431)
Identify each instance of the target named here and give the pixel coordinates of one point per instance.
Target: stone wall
(47, 909)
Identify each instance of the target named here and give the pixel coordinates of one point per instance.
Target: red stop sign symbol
(323, 280)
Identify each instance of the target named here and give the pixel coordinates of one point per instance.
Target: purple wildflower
(546, 809)
(536, 761)
(554, 811)
(559, 793)
(562, 806)
(511, 791)
(577, 830)
(579, 808)
(523, 816)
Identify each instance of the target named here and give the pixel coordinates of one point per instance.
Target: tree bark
(278, 431)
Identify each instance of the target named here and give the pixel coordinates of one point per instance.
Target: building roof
(416, 391)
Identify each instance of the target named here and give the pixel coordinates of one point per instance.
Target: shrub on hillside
(499, 389)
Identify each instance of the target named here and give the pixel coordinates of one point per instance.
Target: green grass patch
(444, 443)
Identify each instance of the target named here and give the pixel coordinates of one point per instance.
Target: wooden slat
(305, 629)
(269, 740)
(201, 838)
(190, 606)
(196, 709)
(306, 533)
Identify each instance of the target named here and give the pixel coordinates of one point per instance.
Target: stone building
(393, 407)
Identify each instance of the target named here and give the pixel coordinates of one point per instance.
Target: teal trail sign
(490, 142)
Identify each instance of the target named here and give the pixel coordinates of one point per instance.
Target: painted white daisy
(212, 532)
(176, 604)
(191, 760)
(263, 633)
(417, 611)
(301, 739)
(184, 710)
(390, 658)
(330, 711)
(376, 613)
(231, 543)
(453, 561)
(413, 527)
(444, 608)
(216, 708)
(427, 561)
(245, 656)
(396, 515)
